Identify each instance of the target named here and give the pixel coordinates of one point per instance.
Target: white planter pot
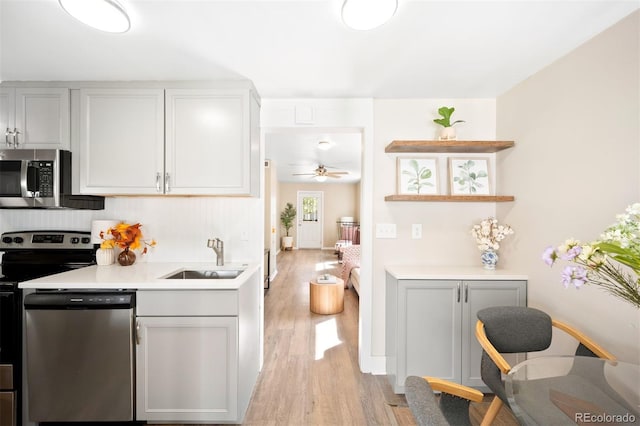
(105, 256)
(287, 243)
(447, 133)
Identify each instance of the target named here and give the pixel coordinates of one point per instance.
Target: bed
(351, 266)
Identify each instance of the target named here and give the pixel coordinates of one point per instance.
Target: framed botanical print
(417, 176)
(469, 176)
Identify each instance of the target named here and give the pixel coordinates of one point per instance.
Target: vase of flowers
(128, 238)
(612, 262)
(488, 234)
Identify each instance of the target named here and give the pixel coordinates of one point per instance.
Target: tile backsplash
(180, 225)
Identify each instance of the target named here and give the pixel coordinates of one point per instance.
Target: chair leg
(492, 412)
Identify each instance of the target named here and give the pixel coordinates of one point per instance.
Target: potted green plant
(448, 131)
(286, 218)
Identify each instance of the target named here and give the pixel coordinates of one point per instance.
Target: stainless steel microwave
(40, 178)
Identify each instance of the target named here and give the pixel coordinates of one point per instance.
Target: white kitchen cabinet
(35, 117)
(121, 141)
(197, 353)
(430, 325)
(172, 141)
(187, 368)
(208, 141)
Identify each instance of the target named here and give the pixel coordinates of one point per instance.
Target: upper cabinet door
(7, 115)
(208, 141)
(122, 141)
(35, 117)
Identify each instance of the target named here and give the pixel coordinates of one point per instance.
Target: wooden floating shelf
(454, 198)
(449, 146)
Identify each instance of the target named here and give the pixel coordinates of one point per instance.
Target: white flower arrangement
(488, 233)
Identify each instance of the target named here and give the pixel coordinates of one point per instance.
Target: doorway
(310, 219)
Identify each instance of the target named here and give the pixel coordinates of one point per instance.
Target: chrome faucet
(218, 246)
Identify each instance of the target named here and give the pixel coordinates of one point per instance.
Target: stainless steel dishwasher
(80, 359)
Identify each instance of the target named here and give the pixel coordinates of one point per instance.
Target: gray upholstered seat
(517, 329)
(448, 409)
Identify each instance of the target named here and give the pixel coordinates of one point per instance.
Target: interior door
(310, 212)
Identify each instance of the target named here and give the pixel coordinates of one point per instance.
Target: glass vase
(489, 259)
(126, 257)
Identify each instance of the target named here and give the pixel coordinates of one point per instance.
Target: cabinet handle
(458, 292)
(158, 175)
(466, 293)
(6, 137)
(137, 332)
(16, 142)
(167, 186)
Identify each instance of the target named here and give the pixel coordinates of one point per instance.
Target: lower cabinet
(187, 368)
(197, 353)
(430, 326)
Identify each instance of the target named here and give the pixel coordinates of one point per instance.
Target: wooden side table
(326, 298)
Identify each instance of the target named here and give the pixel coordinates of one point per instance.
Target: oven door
(9, 354)
(9, 325)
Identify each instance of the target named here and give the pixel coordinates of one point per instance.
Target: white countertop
(142, 276)
(426, 272)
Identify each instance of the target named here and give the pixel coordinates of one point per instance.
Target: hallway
(310, 374)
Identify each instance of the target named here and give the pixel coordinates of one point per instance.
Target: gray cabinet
(35, 117)
(170, 140)
(197, 353)
(430, 325)
(187, 369)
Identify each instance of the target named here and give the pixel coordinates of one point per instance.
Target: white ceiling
(297, 151)
(300, 48)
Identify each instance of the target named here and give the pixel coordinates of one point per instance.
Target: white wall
(445, 225)
(574, 167)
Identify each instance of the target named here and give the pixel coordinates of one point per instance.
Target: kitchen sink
(217, 274)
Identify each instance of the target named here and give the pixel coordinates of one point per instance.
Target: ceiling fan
(321, 173)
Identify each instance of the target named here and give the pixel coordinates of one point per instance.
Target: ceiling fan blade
(338, 173)
(303, 174)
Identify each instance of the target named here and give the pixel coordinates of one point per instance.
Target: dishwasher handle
(78, 300)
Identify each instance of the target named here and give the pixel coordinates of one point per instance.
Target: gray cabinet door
(478, 295)
(431, 329)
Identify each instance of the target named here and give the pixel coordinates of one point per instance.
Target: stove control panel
(45, 240)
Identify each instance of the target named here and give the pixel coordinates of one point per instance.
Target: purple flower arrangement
(613, 262)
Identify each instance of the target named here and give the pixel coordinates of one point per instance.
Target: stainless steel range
(28, 255)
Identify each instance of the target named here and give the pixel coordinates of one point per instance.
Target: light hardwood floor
(310, 374)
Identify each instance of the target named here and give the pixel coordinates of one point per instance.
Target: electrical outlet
(416, 231)
(386, 230)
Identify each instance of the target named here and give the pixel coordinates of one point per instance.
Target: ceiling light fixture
(320, 178)
(367, 14)
(324, 145)
(104, 15)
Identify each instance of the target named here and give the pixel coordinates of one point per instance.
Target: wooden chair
(511, 329)
(452, 408)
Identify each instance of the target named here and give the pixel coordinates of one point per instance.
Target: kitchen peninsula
(196, 339)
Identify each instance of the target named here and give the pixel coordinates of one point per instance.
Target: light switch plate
(385, 230)
(416, 231)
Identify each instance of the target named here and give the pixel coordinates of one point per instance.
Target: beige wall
(340, 199)
(575, 166)
(445, 226)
